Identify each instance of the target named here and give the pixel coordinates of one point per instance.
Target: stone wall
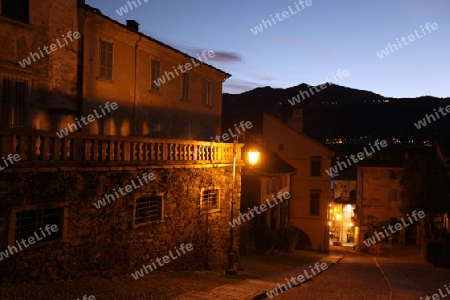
(106, 241)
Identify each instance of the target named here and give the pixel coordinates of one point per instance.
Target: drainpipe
(135, 84)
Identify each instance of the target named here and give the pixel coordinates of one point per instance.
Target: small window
(270, 187)
(16, 9)
(393, 195)
(155, 76)
(149, 209)
(13, 106)
(209, 92)
(314, 202)
(209, 200)
(31, 221)
(185, 86)
(316, 166)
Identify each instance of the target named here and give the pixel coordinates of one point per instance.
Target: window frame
(311, 200)
(157, 69)
(315, 166)
(393, 195)
(161, 208)
(63, 206)
(13, 113)
(185, 86)
(209, 92)
(218, 204)
(106, 67)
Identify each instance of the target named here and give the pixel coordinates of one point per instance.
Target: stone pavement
(411, 277)
(256, 289)
(402, 275)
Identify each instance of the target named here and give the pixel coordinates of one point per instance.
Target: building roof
(289, 127)
(99, 13)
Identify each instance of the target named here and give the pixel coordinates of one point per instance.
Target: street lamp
(253, 159)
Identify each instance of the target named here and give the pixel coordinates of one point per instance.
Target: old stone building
(379, 202)
(85, 122)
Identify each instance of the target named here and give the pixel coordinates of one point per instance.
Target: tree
(426, 186)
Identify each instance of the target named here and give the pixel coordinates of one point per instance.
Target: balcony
(43, 149)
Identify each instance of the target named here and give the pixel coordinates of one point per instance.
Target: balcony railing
(40, 146)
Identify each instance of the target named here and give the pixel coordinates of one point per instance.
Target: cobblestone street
(350, 275)
(398, 276)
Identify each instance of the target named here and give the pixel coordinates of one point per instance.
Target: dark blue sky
(310, 43)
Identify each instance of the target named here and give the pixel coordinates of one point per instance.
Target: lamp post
(253, 159)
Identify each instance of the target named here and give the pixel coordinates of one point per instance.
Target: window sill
(16, 22)
(105, 79)
(156, 222)
(211, 211)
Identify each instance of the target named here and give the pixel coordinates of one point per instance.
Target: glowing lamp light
(329, 223)
(338, 217)
(253, 157)
(351, 224)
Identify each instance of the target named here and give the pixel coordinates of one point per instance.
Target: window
(155, 127)
(149, 209)
(314, 202)
(277, 183)
(393, 175)
(106, 60)
(209, 92)
(13, 103)
(185, 87)
(393, 195)
(269, 186)
(16, 9)
(209, 200)
(31, 221)
(156, 74)
(316, 166)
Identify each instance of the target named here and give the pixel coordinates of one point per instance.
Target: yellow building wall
(131, 86)
(297, 151)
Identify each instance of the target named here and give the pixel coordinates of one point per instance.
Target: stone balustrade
(44, 146)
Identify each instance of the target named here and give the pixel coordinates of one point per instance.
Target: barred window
(31, 221)
(149, 209)
(209, 200)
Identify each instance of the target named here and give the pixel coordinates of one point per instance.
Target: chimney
(133, 25)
